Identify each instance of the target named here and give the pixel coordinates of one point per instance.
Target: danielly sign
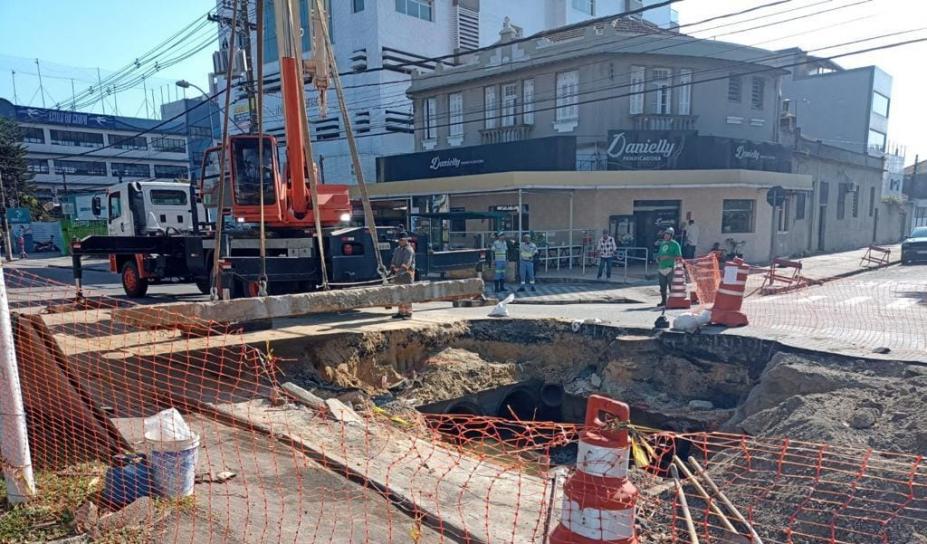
(688, 150)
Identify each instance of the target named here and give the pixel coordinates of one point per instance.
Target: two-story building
(619, 125)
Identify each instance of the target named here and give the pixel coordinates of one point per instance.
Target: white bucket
(173, 465)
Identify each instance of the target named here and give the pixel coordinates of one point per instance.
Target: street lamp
(184, 84)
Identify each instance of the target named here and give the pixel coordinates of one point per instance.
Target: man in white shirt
(691, 239)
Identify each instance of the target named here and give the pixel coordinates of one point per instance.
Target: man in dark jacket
(403, 266)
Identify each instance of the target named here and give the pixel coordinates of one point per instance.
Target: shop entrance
(653, 216)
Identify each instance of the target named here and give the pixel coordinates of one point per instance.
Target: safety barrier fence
(319, 474)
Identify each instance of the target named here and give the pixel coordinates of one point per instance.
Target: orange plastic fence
(704, 273)
(302, 476)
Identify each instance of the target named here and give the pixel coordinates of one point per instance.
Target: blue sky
(72, 38)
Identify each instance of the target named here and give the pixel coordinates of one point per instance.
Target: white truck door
(120, 217)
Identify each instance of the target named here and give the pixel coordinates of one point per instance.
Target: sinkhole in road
(533, 370)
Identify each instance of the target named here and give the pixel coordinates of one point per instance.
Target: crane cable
(262, 248)
(352, 145)
(224, 151)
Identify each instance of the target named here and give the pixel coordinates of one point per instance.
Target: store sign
(59, 117)
(644, 149)
(557, 153)
(688, 150)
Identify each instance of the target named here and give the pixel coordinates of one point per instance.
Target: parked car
(914, 248)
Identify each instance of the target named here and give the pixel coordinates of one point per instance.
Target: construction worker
(667, 254)
(500, 255)
(526, 253)
(403, 266)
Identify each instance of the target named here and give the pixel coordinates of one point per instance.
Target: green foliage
(18, 181)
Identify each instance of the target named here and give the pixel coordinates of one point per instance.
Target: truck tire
(203, 285)
(134, 285)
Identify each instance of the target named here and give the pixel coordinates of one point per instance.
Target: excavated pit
(544, 370)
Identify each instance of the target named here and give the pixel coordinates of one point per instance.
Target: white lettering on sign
(621, 148)
(438, 163)
(742, 153)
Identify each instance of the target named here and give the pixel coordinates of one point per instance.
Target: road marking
(901, 304)
(854, 301)
(812, 298)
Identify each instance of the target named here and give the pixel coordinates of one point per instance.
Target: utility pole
(145, 92)
(38, 69)
(245, 24)
(7, 239)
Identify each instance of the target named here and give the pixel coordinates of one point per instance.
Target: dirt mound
(454, 372)
(857, 403)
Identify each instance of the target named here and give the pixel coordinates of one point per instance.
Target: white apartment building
(381, 42)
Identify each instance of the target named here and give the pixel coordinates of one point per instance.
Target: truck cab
(145, 208)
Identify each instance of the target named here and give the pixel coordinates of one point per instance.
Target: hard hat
(670, 231)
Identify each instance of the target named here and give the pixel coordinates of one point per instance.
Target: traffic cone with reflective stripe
(730, 296)
(678, 299)
(598, 499)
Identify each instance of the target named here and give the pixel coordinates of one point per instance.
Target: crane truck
(161, 231)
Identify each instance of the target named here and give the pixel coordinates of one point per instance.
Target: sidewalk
(636, 275)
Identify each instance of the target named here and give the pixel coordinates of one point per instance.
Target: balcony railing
(501, 135)
(661, 121)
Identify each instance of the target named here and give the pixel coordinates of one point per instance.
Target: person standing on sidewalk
(667, 254)
(606, 250)
(403, 266)
(691, 239)
(526, 253)
(500, 255)
(21, 239)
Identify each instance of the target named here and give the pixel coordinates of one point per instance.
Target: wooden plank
(179, 315)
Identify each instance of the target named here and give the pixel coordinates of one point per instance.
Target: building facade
(74, 151)
(201, 121)
(382, 42)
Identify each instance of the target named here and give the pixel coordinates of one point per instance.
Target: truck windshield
(247, 182)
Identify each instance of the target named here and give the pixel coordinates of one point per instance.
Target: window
(685, 91)
(134, 143)
(825, 192)
(509, 104)
(74, 138)
(637, 90)
(164, 171)
(734, 88)
(37, 166)
(431, 118)
(115, 206)
(663, 91)
(783, 215)
(416, 8)
(880, 104)
(201, 132)
(737, 216)
(169, 145)
(80, 168)
(567, 93)
(130, 170)
(527, 92)
(168, 197)
(800, 202)
(32, 135)
(270, 34)
(585, 6)
(758, 93)
(872, 197)
(842, 201)
(489, 106)
(358, 5)
(876, 140)
(855, 203)
(455, 111)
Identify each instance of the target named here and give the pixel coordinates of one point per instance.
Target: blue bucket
(173, 466)
(128, 479)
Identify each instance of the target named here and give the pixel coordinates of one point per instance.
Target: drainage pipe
(520, 403)
(552, 395)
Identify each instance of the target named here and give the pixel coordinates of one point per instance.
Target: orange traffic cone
(730, 296)
(678, 298)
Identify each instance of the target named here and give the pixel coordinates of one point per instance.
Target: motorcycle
(734, 249)
(46, 247)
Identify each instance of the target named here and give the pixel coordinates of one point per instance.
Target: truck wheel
(203, 285)
(132, 282)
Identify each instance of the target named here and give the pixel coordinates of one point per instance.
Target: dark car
(914, 248)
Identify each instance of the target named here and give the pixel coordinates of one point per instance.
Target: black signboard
(557, 153)
(688, 150)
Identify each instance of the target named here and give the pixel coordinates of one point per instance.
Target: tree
(17, 179)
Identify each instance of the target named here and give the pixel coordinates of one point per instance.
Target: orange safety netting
(301, 475)
(704, 273)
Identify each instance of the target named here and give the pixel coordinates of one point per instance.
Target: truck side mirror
(96, 205)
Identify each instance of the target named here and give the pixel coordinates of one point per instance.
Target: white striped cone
(678, 297)
(730, 296)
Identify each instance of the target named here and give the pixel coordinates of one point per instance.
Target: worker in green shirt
(667, 254)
